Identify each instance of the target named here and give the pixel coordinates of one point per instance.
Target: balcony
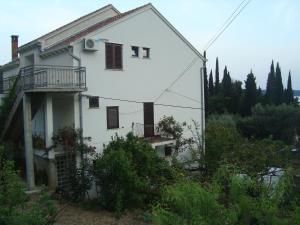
(42, 78)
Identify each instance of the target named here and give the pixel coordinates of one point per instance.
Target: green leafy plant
(7, 103)
(81, 177)
(190, 203)
(15, 206)
(230, 198)
(170, 128)
(130, 174)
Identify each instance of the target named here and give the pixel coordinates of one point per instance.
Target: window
(113, 54)
(112, 116)
(168, 151)
(146, 52)
(94, 102)
(135, 51)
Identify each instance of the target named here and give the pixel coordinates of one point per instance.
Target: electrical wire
(178, 78)
(228, 24)
(184, 96)
(224, 24)
(140, 102)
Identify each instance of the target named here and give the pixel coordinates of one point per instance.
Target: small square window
(135, 51)
(146, 52)
(94, 102)
(112, 116)
(168, 151)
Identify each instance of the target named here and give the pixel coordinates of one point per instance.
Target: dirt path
(73, 215)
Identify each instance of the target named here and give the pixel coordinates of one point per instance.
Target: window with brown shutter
(113, 55)
(112, 117)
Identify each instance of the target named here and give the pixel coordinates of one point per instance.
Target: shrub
(80, 179)
(221, 139)
(190, 203)
(231, 198)
(170, 128)
(15, 207)
(254, 157)
(130, 173)
(281, 122)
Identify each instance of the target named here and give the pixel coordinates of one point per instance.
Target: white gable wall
(77, 26)
(141, 79)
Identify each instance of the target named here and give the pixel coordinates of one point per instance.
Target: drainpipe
(78, 59)
(202, 106)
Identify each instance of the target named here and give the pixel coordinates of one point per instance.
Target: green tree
(279, 94)
(259, 95)
(226, 83)
(281, 122)
(211, 84)
(236, 98)
(217, 79)
(289, 94)
(250, 94)
(270, 89)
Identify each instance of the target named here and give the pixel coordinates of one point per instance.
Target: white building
(106, 72)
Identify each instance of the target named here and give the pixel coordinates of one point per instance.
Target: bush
(221, 139)
(231, 198)
(254, 157)
(190, 203)
(15, 207)
(281, 122)
(130, 173)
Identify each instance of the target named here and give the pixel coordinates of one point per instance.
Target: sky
(266, 30)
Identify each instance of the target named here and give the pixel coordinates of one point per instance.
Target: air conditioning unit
(89, 44)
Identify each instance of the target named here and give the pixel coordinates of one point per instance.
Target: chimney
(14, 46)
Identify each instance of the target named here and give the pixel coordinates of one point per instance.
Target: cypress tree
(217, 80)
(211, 84)
(259, 95)
(278, 98)
(250, 94)
(289, 94)
(270, 89)
(226, 83)
(236, 97)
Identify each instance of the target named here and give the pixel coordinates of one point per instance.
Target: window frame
(91, 98)
(114, 64)
(108, 115)
(138, 51)
(147, 51)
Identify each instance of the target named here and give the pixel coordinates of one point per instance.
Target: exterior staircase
(38, 79)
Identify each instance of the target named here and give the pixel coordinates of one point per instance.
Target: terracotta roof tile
(95, 27)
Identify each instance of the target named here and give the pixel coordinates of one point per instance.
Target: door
(148, 119)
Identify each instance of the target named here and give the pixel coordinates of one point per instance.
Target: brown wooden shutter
(112, 113)
(109, 56)
(118, 56)
(148, 119)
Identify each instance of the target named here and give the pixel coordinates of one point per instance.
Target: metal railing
(47, 77)
(151, 130)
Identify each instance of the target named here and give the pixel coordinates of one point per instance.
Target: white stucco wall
(63, 111)
(62, 59)
(77, 26)
(38, 122)
(141, 79)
